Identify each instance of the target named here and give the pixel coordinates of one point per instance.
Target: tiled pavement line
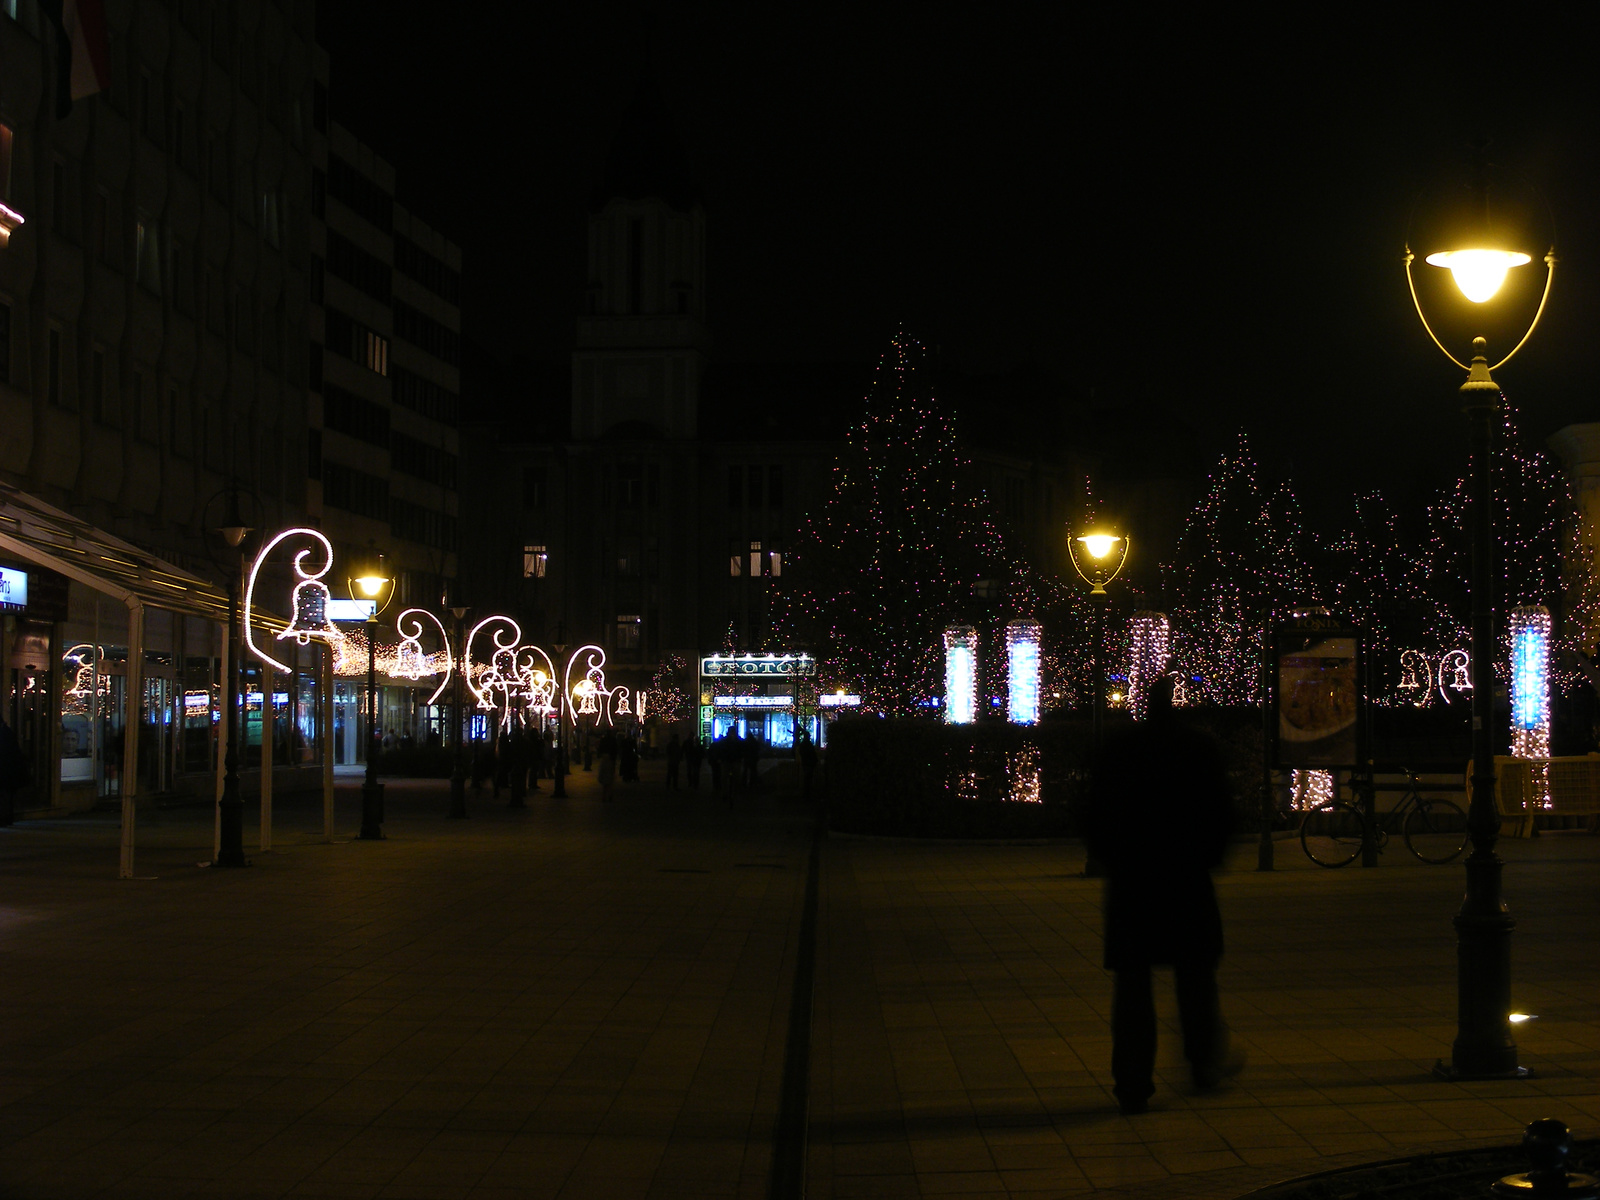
(1337, 985)
(323, 1088)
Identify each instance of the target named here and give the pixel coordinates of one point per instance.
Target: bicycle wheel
(1436, 831)
(1330, 834)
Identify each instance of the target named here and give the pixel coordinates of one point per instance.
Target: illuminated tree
(897, 550)
(1243, 554)
(670, 698)
(1541, 552)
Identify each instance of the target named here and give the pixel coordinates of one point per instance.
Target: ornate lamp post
(372, 583)
(1098, 556)
(458, 777)
(1484, 1047)
(230, 852)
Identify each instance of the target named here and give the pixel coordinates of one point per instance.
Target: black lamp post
(371, 583)
(230, 851)
(1483, 1047)
(458, 777)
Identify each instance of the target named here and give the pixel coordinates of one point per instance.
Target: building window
(628, 629)
(628, 555)
(533, 487)
(775, 563)
(630, 485)
(375, 352)
(147, 254)
(754, 494)
(775, 487)
(735, 487)
(313, 454)
(269, 217)
(736, 561)
(146, 406)
(54, 367)
(755, 559)
(535, 562)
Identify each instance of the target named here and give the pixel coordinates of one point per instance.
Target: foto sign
(350, 610)
(13, 590)
(722, 666)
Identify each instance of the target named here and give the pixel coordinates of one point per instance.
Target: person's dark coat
(1159, 819)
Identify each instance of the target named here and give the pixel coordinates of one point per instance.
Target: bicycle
(1435, 830)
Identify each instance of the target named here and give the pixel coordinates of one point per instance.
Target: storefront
(767, 696)
(113, 667)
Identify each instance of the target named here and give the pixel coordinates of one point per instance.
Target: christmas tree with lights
(1243, 556)
(1541, 551)
(898, 550)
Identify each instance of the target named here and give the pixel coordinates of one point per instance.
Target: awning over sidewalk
(44, 535)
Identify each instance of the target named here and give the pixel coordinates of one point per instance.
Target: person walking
(732, 756)
(693, 754)
(753, 742)
(674, 756)
(1159, 819)
(714, 752)
(627, 757)
(535, 758)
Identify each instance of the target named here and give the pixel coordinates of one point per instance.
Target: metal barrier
(1529, 787)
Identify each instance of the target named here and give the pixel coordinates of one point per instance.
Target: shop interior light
(1478, 273)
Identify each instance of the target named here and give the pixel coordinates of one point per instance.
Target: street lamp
(371, 584)
(1484, 1047)
(230, 850)
(458, 777)
(1098, 556)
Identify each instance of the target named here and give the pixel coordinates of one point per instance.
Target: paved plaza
(593, 1000)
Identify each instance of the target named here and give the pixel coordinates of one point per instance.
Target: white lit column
(960, 674)
(1022, 672)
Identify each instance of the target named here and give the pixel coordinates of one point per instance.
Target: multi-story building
(207, 296)
(383, 451)
(153, 308)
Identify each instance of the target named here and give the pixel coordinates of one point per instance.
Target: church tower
(637, 362)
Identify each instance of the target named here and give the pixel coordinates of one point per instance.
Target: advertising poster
(1318, 695)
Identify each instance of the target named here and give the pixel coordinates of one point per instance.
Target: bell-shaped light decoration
(1478, 273)
(310, 614)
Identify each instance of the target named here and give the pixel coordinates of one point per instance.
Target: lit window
(755, 558)
(776, 557)
(535, 562)
(147, 254)
(628, 631)
(376, 354)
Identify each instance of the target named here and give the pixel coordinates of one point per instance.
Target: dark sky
(1188, 223)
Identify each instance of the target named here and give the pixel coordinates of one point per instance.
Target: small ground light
(1519, 1018)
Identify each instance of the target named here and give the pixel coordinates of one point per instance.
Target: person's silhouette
(1159, 818)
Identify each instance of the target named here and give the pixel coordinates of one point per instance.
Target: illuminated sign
(754, 702)
(838, 700)
(350, 610)
(745, 665)
(13, 590)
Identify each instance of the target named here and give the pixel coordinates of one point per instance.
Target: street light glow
(371, 584)
(1478, 273)
(1099, 544)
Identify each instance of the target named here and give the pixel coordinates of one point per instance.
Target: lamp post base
(231, 853)
(371, 811)
(1447, 1073)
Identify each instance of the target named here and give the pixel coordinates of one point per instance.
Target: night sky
(1126, 222)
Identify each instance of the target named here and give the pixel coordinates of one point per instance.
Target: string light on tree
(1149, 634)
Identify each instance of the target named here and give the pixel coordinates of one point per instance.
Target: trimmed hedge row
(913, 777)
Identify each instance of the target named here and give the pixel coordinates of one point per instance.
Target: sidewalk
(592, 1000)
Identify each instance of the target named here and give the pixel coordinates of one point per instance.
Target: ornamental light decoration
(1022, 672)
(308, 600)
(960, 674)
(410, 662)
(1098, 556)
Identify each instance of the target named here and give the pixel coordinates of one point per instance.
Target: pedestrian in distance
(1159, 819)
(732, 764)
(535, 759)
(693, 754)
(627, 758)
(752, 760)
(674, 756)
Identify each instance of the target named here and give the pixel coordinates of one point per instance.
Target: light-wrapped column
(960, 674)
(1530, 693)
(1022, 672)
(1149, 635)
